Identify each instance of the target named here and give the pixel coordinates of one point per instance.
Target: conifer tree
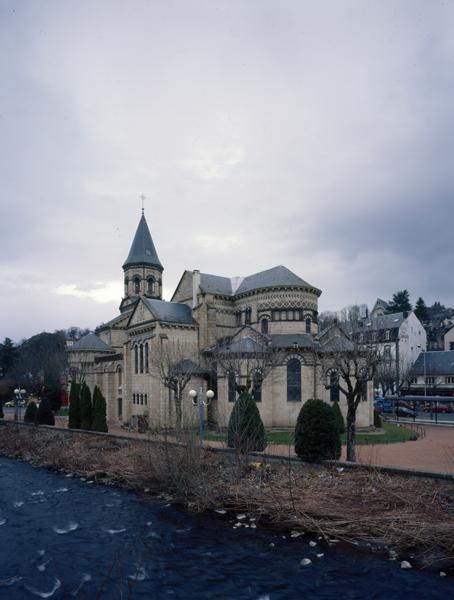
(421, 310)
(99, 422)
(400, 302)
(246, 432)
(74, 406)
(44, 415)
(30, 412)
(338, 416)
(85, 407)
(316, 433)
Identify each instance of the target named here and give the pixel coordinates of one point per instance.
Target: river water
(63, 538)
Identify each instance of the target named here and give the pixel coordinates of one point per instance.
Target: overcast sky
(314, 134)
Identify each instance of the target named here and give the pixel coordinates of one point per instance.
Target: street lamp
(425, 379)
(19, 393)
(198, 399)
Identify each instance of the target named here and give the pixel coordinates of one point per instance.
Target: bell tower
(142, 269)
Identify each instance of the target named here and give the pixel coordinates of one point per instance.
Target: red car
(440, 408)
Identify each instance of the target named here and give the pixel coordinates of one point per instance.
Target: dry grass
(408, 514)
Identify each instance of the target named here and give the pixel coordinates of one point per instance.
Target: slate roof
(171, 312)
(91, 343)
(188, 366)
(243, 345)
(276, 277)
(336, 343)
(142, 250)
(287, 340)
(437, 363)
(214, 284)
(391, 321)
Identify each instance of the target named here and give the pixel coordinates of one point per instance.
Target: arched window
(232, 386)
(334, 392)
(293, 380)
(247, 316)
(308, 324)
(136, 359)
(146, 358)
(136, 285)
(119, 376)
(133, 398)
(141, 399)
(151, 285)
(257, 386)
(264, 326)
(363, 390)
(146, 399)
(126, 284)
(141, 358)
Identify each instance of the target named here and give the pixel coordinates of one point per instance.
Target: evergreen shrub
(85, 407)
(74, 406)
(44, 415)
(317, 436)
(99, 422)
(338, 416)
(246, 432)
(377, 419)
(30, 412)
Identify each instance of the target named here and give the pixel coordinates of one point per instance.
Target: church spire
(143, 252)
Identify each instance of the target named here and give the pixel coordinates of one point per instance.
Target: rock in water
(305, 562)
(405, 565)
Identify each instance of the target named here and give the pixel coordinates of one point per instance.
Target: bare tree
(250, 358)
(175, 363)
(355, 365)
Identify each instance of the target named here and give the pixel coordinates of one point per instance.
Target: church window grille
(232, 386)
(141, 399)
(151, 285)
(147, 366)
(308, 324)
(290, 315)
(257, 386)
(146, 398)
(136, 285)
(133, 398)
(264, 326)
(283, 315)
(334, 392)
(293, 380)
(248, 316)
(141, 358)
(297, 315)
(136, 359)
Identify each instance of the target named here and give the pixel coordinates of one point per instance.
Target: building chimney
(195, 286)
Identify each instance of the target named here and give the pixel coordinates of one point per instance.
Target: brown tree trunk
(178, 412)
(351, 434)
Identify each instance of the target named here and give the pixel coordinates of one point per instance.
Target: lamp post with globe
(19, 393)
(198, 400)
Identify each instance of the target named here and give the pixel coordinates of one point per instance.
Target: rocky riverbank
(408, 518)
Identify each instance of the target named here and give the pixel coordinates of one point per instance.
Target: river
(63, 538)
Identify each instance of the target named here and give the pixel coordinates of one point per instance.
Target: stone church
(275, 309)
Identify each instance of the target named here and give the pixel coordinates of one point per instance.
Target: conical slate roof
(142, 250)
(91, 343)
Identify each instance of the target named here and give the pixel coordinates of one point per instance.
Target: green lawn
(389, 435)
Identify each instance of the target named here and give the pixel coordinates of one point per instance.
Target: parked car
(438, 408)
(9, 404)
(383, 406)
(401, 411)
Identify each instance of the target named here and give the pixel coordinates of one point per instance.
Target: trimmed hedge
(246, 432)
(317, 435)
(338, 416)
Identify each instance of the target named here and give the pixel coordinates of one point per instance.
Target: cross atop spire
(143, 198)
